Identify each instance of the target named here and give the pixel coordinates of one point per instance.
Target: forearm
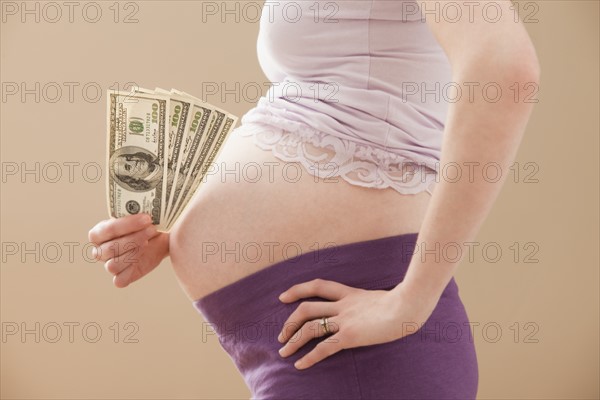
(477, 134)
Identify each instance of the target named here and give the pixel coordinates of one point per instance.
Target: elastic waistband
(372, 264)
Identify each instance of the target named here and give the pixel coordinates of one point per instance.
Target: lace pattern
(329, 157)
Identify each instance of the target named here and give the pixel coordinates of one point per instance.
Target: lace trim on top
(328, 157)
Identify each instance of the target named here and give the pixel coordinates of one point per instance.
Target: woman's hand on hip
(130, 246)
(356, 317)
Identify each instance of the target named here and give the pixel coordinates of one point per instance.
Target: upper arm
(482, 33)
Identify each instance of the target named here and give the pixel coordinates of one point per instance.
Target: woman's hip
(436, 361)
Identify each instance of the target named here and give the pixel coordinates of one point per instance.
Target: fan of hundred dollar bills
(160, 145)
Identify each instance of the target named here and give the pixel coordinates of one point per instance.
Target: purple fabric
(368, 71)
(437, 362)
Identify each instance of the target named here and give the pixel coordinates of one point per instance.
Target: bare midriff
(255, 210)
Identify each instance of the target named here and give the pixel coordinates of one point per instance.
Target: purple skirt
(436, 362)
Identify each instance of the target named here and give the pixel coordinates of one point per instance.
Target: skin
(478, 131)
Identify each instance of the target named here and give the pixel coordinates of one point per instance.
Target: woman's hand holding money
(130, 246)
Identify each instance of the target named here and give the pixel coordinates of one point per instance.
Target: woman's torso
(241, 222)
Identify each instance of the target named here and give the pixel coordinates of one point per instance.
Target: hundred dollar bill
(137, 154)
(209, 151)
(205, 122)
(205, 159)
(178, 124)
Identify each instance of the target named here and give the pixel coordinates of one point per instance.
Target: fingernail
(282, 296)
(298, 364)
(146, 218)
(94, 252)
(281, 351)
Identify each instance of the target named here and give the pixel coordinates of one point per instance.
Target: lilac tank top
(357, 91)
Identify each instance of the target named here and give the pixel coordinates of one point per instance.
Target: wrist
(413, 305)
(411, 289)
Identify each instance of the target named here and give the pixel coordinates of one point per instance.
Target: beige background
(170, 46)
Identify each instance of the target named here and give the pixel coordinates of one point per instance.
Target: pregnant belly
(255, 210)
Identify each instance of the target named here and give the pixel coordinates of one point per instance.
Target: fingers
(116, 265)
(317, 287)
(123, 245)
(322, 350)
(125, 268)
(133, 265)
(116, 227)
(130, 274)
(306, 311)
(310, 330)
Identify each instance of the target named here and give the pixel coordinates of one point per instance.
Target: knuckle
(303, 309)
(324, 348)
(315, 327)
(308, 329)
(131, 244)
(290, 326)
(102, 256)
(95, 252)
(104, 252)
(318, 284)
(108, 229)
(333, 326)
(109, 266)
(94, 235)
(296, 336)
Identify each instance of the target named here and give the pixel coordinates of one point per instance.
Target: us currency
(178, 123)
(178, 139)
(210, 150)
(137, 154)
(203, 117)
(202, 121)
